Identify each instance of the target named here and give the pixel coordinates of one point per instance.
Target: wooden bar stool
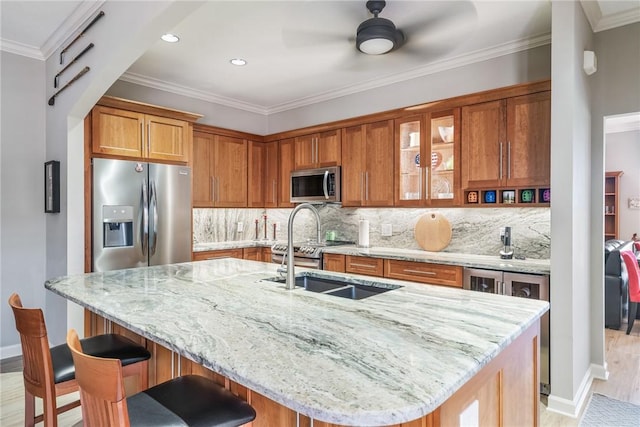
(49, 372)
(189, 400)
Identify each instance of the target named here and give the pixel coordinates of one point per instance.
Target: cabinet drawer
(333, 262)
(222, 253)
(436, 274)
(364, 265)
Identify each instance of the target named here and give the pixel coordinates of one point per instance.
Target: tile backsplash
(474, 230)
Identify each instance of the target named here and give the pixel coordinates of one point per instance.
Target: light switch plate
(386, 230)
(240, 227)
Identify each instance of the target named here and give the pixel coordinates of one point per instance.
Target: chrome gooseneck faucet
(291, 281)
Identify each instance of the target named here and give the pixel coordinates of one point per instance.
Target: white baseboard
(10, 351)
(572, 408)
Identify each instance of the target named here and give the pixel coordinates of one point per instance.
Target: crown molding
(625, 123)
(64, 32)
(459, 61)
(191, 93)
(21, 49)
(601, 23)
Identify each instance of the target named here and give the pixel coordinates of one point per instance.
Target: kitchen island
(424, 353)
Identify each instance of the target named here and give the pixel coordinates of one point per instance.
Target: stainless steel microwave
(316, 185)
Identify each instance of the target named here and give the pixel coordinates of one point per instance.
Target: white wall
(570, 172)
(519, 67)
(622, 154)
(22, 217)
(616, 90)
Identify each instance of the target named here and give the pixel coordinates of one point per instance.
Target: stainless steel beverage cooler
(523, 286)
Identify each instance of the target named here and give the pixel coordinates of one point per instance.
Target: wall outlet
(277, 226)
(240, 227)
(502, 234)
(386, 230)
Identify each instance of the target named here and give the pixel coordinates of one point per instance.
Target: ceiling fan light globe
(376, 36)
(376, 46)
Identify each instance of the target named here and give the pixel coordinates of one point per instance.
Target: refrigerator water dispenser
(117, 226)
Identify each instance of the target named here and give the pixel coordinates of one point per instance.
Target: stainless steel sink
(336, 287)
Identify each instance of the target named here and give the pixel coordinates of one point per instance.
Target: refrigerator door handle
(153, 204)
(144, 227)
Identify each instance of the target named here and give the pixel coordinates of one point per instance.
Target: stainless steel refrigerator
(141, 214)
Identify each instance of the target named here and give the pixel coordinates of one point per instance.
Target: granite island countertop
(387, 359)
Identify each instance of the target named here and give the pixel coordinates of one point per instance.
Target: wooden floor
(623, 360)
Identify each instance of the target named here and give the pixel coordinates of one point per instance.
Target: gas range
(305, 254)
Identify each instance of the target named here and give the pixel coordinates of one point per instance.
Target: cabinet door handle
(420, 182)
(426, 273)
(500, 160)
(355, 264)
(317, 151)
(361, 186)
(148, 138)
(141, 139)
(273, 191)
(366, 185)
(509, 160)
(213, 188)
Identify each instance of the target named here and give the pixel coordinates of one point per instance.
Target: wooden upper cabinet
(202, 168)
(117, 132)
(507, 143)
(483, 144)
(318, 150)
(529, 140)
(427, 164)
(130, 129)
(367, 164)
(378, 185)
(286, 158)
(167, 139)
(353, 166)
(219, 171)
(230, 172)
(271, 170)
(256, 174)
(263, 174)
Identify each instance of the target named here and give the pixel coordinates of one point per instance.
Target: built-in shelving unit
(611, 218)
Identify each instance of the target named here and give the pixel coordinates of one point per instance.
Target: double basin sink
(337, 287)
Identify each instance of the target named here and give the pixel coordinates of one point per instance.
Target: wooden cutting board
(433, 232)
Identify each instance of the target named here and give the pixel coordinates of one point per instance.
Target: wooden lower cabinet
(333, 262)
(505, 391)
(364, 265)
(220, 253)
(254, 254)
(424, 272)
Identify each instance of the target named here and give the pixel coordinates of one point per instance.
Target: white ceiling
(301, 52)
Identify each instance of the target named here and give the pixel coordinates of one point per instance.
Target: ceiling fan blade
(447, 20)
(305, 38)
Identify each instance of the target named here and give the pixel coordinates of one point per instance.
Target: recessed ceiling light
(238, 61)
(170, 38)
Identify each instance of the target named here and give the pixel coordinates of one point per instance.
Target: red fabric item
(633, 270)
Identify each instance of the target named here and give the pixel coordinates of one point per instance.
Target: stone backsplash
(474, 230)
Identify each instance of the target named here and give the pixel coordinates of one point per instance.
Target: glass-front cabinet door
(428, 159)
(410, 182)
(443, 130)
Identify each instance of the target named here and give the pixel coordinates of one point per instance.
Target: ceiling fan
(427, 29)
(377, 36)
